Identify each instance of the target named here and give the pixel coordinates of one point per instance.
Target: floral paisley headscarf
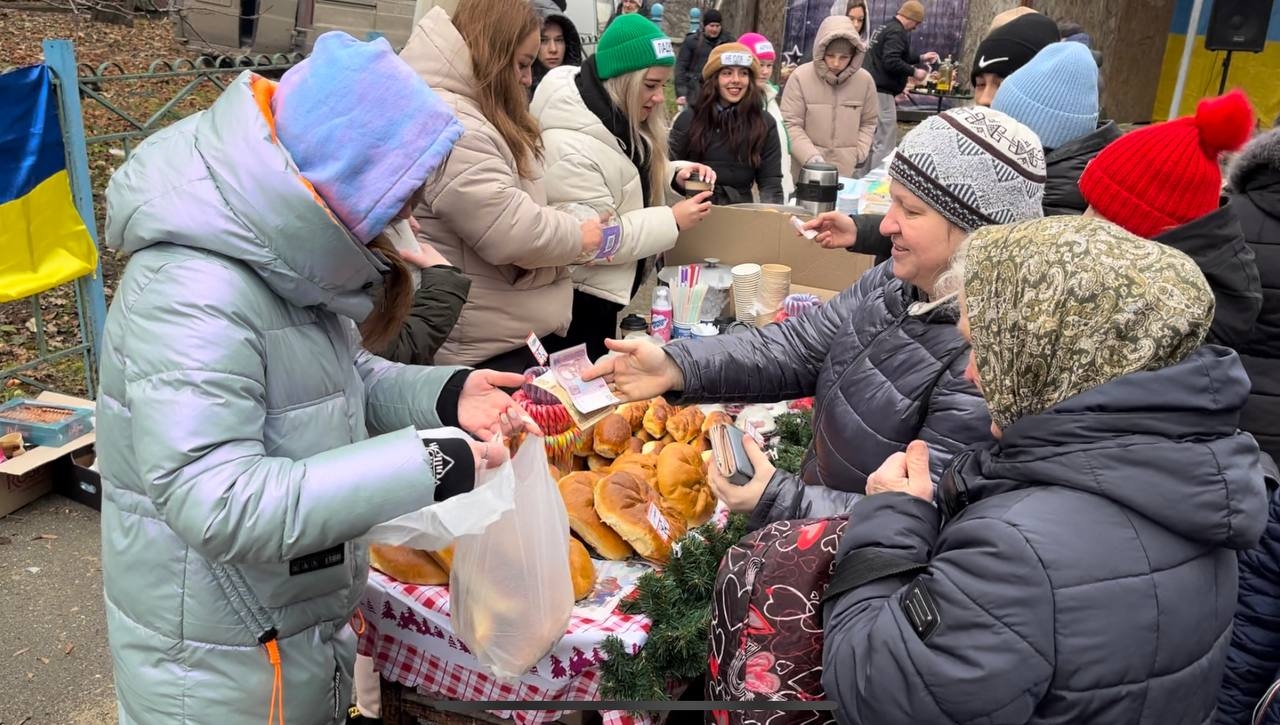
(1061, 305)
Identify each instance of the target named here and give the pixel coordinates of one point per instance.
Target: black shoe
(355, 718)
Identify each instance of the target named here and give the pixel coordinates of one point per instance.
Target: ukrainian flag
(43, 240)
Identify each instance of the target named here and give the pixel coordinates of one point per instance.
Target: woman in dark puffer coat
(1082, 567)
(883, 358)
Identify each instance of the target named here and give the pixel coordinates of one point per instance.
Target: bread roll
(635, 445)
(686, 425)
(634, 413)
(638, 514)
(644, 466)
(653, 448)
(714, 418)
(612, 435)
(556, 475)
(586, 444)
(578, 490)
(581, 569)
(598, 464)
(444, 558)
(643, 435)
(683, 484)
(411, 566)
(655, 418)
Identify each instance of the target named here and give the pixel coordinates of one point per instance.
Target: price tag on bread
(659, 522)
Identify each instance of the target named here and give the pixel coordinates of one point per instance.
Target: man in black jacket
(890, 61)
(694, 52)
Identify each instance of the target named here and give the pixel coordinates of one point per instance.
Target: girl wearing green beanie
(604, 133)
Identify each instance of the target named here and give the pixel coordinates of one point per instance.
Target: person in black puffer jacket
(1056, 95)
(1255, 195)
(1163, 183)
(730, 131)
(883, 358)
(1081, 568)
(561, 44)
(694, 52)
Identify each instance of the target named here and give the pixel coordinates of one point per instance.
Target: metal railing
(167, 91)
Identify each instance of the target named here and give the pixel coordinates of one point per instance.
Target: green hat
(630, 43)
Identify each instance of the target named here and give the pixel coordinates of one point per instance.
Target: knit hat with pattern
(631, 43)
(730, 55)
(1163, 176)
(1055, 95)
(975, 166)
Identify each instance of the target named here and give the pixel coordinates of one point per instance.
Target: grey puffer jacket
(885, 369)
(233, 429)
(1065, 165)
(1090, 579)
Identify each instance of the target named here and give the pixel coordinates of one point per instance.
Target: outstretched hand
(485, 410)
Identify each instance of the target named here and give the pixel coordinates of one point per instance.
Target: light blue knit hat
(1055, 95)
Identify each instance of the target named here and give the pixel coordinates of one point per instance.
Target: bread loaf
(579, 495)
(686, 425)
(411, 566)
(633, 509)
(581, 569)
(634, 414)
(683, 483)
(612, 435)
(655, 418)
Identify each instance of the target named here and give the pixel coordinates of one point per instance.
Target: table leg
(939, 103)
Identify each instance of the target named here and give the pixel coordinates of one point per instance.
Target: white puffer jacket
(585, 164)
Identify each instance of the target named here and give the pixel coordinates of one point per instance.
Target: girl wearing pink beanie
(766, 56)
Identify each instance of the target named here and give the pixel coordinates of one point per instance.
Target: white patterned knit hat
(976, 166)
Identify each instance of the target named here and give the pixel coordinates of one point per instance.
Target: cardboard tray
(31, 475)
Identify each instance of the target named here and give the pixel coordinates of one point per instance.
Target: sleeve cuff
(453, 465)
(450, 394)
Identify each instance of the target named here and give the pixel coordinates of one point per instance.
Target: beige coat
(486, 220)
(585, 164)
(827, 114)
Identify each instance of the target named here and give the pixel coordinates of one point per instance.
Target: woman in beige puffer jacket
(485, 211)
(831, 113)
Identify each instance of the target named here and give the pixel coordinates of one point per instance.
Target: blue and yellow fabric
(43, 239)
(1257, 74)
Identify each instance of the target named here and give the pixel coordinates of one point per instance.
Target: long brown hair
(493, 29)
(743, 126)
(394, 302)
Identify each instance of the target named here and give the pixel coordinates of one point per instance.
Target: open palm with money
(638, 371)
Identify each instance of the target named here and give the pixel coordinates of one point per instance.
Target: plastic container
(719, 282)
(680, 331)
(44, 424)
(661, 315)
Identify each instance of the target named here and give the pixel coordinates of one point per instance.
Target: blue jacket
(1090, 579)
(1254, 660)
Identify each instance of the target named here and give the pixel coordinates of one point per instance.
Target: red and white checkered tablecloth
(408, 635)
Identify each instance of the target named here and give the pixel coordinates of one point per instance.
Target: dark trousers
(594, 319)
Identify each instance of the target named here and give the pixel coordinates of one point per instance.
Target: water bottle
(660, 316)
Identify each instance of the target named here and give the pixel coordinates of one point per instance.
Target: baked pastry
(581, 569)
(556, 475)
(612, 435)
(634, 413)
(653, 447)
(644, 466)
(683, 483)
(586, 444)
(411, 566)
(635, 445)
(655, 418)
(633, 509)
(444, 558)
(686, 425)
(578, 490)
(598, 464)
(643, 435)
(714, 418)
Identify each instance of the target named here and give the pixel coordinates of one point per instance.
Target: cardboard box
(31, 475)
(764, 236)
(77, 481)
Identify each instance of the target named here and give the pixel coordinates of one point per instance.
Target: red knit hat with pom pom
(1163, 176)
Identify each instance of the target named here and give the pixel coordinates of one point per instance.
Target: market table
(407, 633)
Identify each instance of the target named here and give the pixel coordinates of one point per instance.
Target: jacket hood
(440, 55)
(1179, 460)
(551, 13)
(1256, 172)
(833, 28)
(219, 181)
(558, 105)
(1085, 146)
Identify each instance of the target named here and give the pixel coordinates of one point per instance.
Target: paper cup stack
(775, 285)
(746, 288)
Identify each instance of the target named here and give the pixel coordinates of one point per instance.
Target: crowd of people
(1051, 410)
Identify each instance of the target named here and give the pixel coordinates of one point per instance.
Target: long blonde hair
(493, 29)
(649, 135)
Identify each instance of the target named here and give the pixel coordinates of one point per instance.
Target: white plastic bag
(510, 589)
(435, 527)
